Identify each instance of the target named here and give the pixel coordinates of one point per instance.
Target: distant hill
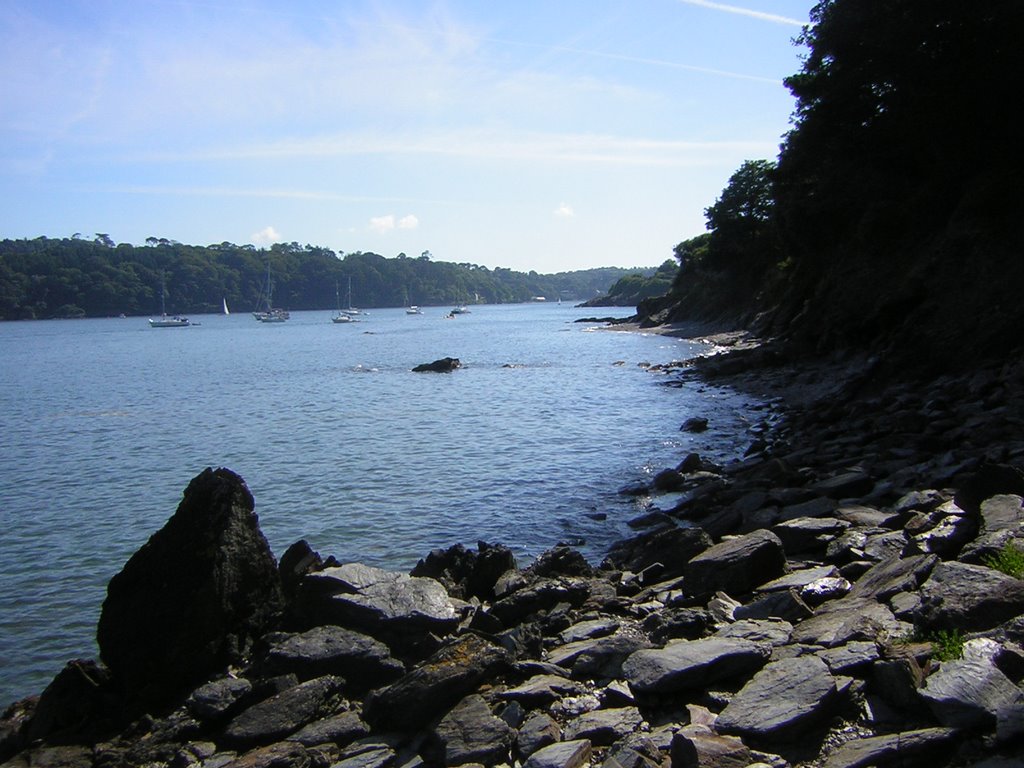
(74, 277)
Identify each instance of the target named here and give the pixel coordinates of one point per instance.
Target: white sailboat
(271, 314)
(349, 309)
(165, 321)
(225, 300)
(340, 316)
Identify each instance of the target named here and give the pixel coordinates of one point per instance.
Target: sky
(546, 135)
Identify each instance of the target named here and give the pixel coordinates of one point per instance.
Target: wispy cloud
(774, 18)
(564, 211)
(383, 224)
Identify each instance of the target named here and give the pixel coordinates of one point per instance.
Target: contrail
(745, 12)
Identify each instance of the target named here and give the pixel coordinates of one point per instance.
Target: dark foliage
(74, 277)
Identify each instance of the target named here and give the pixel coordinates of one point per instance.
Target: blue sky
(538, 135)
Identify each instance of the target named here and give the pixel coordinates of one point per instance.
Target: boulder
(840, 621)
(893, 575)
(971, 694)
(194, 598)
(689, 664)
(969, 597)
(604, 727)
(398, 609)
(564, 754)
(470, 733)
(538, 595)
(436, 684)
(538, 731)
(329, 650)
(444, 365)
(736, 566)
(783, 696)
(465, 573)
(672, 547)
(283, 714)
(218, 699)
(922, 747)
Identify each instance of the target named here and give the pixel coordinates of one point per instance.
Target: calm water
(104, 422)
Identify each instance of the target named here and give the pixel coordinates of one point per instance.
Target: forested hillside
(891, 218)
(75, 277)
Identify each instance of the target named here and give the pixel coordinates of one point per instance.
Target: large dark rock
(466, 573)
(470, 733)
(736, 566)
(690, 664)
(968, 597)
(283, 714)
(671, 547)
(193, 598)
(363, 662)
(79, 705)
(427, 691)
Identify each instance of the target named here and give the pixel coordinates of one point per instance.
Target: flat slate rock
(892, 575)
(284, 713)
(840, 621)
(971, 694)
(341, 729)
(969, 597)
(689, 664)
(564, 754)
(604, 727)
(329, 650)
(736, 566)
(538, 731)
(895, 749)
(470, 733)
(781, 697)
(541, 690)
(697, 746)
(799, 579)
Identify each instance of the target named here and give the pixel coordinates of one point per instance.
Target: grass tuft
(1008, 560)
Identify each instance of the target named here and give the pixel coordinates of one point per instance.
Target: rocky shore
(846, 595)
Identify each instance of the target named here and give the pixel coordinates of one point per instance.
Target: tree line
(77, 277)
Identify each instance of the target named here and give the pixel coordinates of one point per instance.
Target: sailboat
(176, 321)
(225, 300)
(349, 309)
(340, 316)
(270, 314)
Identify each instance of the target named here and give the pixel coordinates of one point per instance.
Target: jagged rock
(671, 547)
(774, 632)
(841, 621)
(341, 729)
(851, 658)
(1002, 520)
(218, 698)
(892, 575)
(436, 684)
(444, 365)
(895, 749)
(538, 595)
(697, 746)
(822, 590)
(946, 537)
(466, 573)
(678, 623)
(972, 695)
(808, 534)
(603, 727)
(786, 604)
(561, 560)
(589, 630)
(538, 731)
(470, 733)
(564, 754)
(541, 690)
(688, 664)
(80, 704)
(398, 609)
(194, 597)
(781, 697)
(283, 714)
(363, 662)
(636, 751)
(602, 658)
(844, 485)
(284, 753)
(298, 560)
(968, 597)
(736, 566)
(694, 424)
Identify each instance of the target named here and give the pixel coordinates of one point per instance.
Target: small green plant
(947, 645)
(1008, 560)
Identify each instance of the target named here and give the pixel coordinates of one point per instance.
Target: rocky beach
(844, 595)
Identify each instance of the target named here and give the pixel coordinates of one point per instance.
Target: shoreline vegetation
(837, 597)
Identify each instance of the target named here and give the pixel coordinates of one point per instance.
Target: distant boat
(349, 309)
(166, 321)
(270, 314)
(341, 316)
(460, 310)
(225, 300)
(413, 310)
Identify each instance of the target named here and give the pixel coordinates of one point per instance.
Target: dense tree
(74, 277)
